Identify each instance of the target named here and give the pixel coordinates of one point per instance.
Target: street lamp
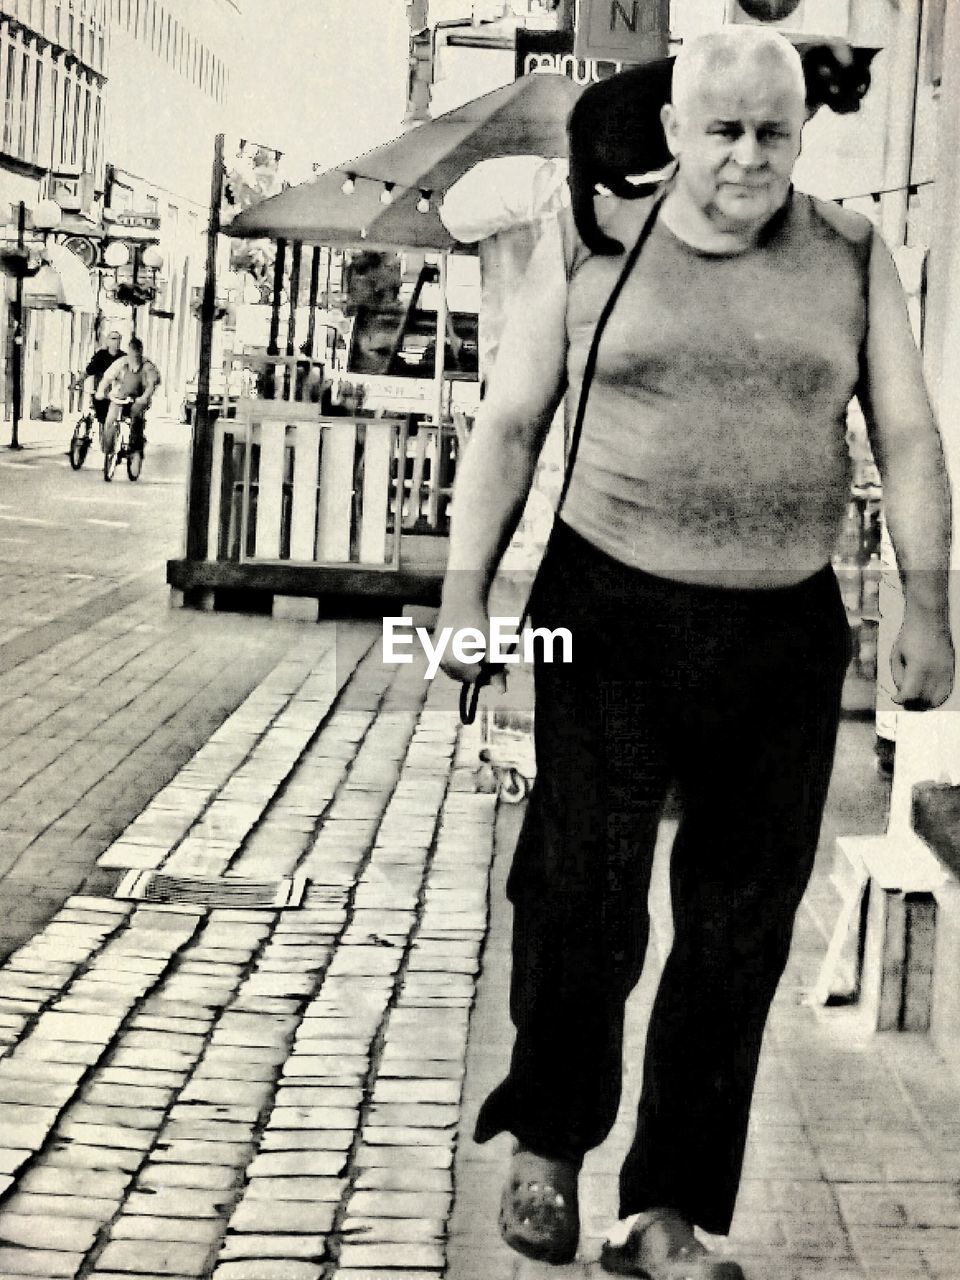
(134, 293)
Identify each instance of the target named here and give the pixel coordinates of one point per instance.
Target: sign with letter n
(623, 30)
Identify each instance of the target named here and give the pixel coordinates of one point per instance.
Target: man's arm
(497, 467)
(151, 380)
(916, 489)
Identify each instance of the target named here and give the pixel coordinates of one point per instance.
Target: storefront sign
(402, 395)
(73, 191)
(623, 30)
(551, 53)
(136, 221)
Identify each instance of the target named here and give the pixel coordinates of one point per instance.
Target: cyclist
(132, 379)
(100, 362)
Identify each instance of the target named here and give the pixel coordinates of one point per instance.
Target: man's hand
(458, 615)
(922, 662)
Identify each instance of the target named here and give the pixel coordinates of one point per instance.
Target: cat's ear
(863, 58)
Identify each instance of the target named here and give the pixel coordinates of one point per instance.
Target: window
(65, 116)
(85, 136)
(24, 104)
(54, 88)
(37, 114)
(95, 141)
(9, 96)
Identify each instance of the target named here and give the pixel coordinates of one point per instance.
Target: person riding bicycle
(130, 380)
(101, 360)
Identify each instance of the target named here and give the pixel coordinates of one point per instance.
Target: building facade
(110, 107)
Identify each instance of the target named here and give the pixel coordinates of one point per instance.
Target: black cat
(837, 75)
(614, 129)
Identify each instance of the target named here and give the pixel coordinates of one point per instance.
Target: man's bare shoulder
(852, 226)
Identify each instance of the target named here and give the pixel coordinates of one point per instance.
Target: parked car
(239, 384)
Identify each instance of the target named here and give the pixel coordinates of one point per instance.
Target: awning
(62, 281)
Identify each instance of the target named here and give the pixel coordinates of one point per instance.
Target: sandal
(539, 1208)
(661, 1246)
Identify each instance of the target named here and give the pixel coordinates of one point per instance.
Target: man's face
(113, 343)
(737, 138)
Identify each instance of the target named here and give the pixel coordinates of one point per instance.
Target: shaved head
(737, 54)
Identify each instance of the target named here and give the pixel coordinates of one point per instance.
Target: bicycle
(82, 439)
(120, 445)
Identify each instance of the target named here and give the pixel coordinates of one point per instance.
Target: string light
(423, 204)
(349, 185)
(386, 195)
(912, 189)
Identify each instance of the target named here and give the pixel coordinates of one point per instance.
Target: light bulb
(349, 185)
(423, 204)
(386, 195)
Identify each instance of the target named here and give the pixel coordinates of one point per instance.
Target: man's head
(113, 342)
(735, 120)
(135, 348)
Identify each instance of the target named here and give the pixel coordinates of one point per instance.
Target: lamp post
(18, 335)
(45, 218)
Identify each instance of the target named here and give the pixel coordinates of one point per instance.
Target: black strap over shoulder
(470, 693)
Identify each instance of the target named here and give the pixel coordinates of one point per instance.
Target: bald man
(691, 563)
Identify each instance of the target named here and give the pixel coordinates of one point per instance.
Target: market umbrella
(526, 117)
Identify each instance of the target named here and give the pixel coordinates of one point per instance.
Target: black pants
(733, 697)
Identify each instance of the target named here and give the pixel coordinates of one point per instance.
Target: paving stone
(154, 1257)
(185, 1230)
(403, 1254)
(359, 1230)
(12, 1158)
(210, 1177)
(404, 1179)
(39, 1262)
(287, 1216)
(313, 1117)
(293, 1164)
(322, 1190)
(225, 1092)
(237, 1247)
(78, 1155)
(69, 1235)
(58, 1181)
(399, 1204)
(102, 1135)
(178, 1202)
(307, 1140)
(404, 1273)
(187, 1151)
(30, 1203)
(126, 1117)
(268, 1269)
(430, 1157)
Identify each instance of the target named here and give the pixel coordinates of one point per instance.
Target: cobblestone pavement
(217, 1090)
(196, 1090)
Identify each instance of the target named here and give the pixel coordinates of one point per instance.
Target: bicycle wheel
(79, 444)
(109, 462)
(134, 464)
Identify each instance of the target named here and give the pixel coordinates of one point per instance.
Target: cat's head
(837, 75)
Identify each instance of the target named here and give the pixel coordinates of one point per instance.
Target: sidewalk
(211, 1088)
